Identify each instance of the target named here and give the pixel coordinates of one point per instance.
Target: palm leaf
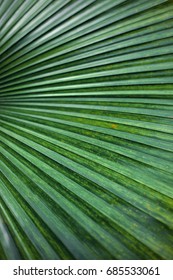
(86, 129)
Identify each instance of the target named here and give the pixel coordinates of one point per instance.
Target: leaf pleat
(86, 129)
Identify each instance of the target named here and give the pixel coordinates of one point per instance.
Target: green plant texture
(86, 129)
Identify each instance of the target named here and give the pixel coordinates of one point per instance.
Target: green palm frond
(86, 123)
